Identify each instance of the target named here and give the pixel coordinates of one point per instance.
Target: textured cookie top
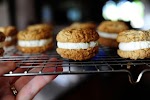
(133, 35)
(112, 26)
(77, 35)
(33, 34)
(40, 26)
(83, 25)
(2, 37)
(9, 30)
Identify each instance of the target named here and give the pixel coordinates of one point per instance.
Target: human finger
(35, 85)
(49, 67)
(5, 67)
(23, 66)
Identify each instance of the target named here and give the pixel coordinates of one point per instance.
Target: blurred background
(21, 13)
(62, 12)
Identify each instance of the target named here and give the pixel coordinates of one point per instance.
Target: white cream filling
(130, 46)
(107, 35)
(34, 43)
(77, 45)
(9, 38)
(1, 44)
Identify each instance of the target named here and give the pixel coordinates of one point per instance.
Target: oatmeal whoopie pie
(2, 38)
(10, 33)
(34, 41)
(90, 25)
(134, 44)
(77, 44)
(108, 32)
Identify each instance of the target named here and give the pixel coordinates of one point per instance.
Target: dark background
(25, 12)
(90, 11)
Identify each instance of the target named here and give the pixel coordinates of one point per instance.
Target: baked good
(77, 44)
(43, 26)
(90, 25)
(134, 44)
(10, 33)
(2, 38)
(108, 32)
(34, 41)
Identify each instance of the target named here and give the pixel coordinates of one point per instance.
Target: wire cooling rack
(106, 61)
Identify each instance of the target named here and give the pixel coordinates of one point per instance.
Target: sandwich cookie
(34, 41)
(10, 33)
(77, 44)
(134, 44)
(108, 32)
(2, 38)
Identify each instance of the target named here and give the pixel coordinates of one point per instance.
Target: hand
(27, 86)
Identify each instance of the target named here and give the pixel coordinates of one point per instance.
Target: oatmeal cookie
(134, 44)
(108, 32)
(10, 33)
(34, 41)
(77, 44)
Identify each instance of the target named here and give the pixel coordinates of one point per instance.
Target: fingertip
(5, 67)
(8, 63)
(11, 65)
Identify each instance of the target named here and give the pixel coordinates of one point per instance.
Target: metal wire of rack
(106, 61)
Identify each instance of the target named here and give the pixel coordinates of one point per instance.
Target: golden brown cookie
(77, 44)
(9, 30)
(40, 26)
(2, 38)
(112, 26)
(34, 34)
(12, 43)
(81, 54)
(77, 35)
(11, 35)
(34, 41)
(108, 32)
(90, 25)
(133, 35)
(134, 44)
(108, 42)
(135, 54)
